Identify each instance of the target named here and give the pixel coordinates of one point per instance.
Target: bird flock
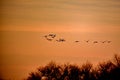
(51, 37)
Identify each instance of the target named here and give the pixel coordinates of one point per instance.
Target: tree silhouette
(109, 70)
(104, 70)
(74, 72)
(86, 71)
(115, 72)
(34, 76)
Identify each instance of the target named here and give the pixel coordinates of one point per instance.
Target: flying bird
(52, 35)
(76, 41)
(61, 40)
(87, 41)
(49, 39)
(103, 41)
(109, 41)
(95, 42)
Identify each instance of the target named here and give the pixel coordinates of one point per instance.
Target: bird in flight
(109, 41)
(103, 41)
(49, 39)
(95, 42)
(61, 40)
(87, 41)
(76, 41)
(52, 35)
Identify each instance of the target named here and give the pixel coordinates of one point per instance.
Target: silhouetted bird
(95, 42)
(61, 40)
(45, 36)
(52, 35)
(76, 41)
(109, 41)
(49, 39)
(87, 41)
(103, 41)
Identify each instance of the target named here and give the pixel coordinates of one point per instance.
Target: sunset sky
(24, 23)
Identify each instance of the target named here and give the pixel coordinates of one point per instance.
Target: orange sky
(25, 22)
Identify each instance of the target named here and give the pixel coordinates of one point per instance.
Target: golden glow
(23, 23)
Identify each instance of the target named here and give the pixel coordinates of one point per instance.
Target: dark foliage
(109, 70)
